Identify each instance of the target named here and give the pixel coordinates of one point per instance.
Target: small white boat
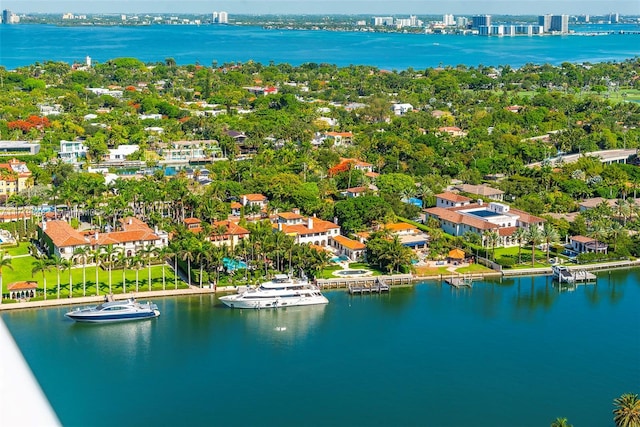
(115, 311)
(282, 291)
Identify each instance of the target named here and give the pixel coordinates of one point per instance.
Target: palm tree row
(102, 256)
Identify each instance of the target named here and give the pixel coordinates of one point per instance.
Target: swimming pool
(340, 258)
(233, 264)
(352, 272)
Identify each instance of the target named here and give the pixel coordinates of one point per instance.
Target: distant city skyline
(325, 7)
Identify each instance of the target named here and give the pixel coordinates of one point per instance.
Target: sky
(369, 7)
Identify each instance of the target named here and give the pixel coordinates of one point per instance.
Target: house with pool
(310, 230)
(457, 215)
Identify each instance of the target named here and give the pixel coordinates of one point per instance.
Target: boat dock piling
(459, 282)
(365, 283)
(379, 286)
(576, 276)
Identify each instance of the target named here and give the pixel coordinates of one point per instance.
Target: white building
(121, 153)
(72, 151)
(448, 20)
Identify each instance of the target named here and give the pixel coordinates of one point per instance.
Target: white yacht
(115, 311)
(281, 291)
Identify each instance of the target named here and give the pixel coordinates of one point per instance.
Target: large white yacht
(281, 291)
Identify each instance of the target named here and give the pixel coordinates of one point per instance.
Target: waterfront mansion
(57, 237)
(458, 215)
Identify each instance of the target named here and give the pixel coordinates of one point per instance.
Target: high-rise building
(545, 22)
(554, 23)
(480, 21)
(9, 17)
(462, 21)
(448, 20)
(614, 18)
(377, 21)
(220, 18)
(560, 23)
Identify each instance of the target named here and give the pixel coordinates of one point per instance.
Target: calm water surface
(22, 45)
(501, 354)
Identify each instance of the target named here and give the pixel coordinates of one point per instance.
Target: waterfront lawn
(432, 271)
(474, 268)
(22, 271)
(327, 272)
(511, 254)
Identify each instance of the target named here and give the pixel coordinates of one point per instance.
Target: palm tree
(43, 265)
(162, 254)
(121, 260)
(82, 252)
(549, 236)
(57, 262)
(561, 422)
(627, 411)
(109, 251)
(5, 261)
(534, 236)
(136, 263)
(147, 252)
(173, 251)
(188, 254)
(97, 256)
(66, 265)
(520, 236)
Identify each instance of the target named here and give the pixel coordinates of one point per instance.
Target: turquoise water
(25, 44)
(517, 353)
(233, 264)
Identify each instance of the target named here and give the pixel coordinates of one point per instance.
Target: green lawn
(474, 268)
(21, 249)
(22, 271)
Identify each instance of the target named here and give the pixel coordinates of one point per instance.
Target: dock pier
(365, 284)
(378, 287)
(459, 282)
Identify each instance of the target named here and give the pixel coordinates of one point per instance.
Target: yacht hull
(239, 301)
(111, 318)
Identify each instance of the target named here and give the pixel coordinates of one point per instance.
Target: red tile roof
(21, 286)
(62, 234)
(353, 245)
(453, 197)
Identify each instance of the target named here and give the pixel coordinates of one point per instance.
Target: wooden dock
(576, 276)
(384, 283)
(378, 287)
(459, 282)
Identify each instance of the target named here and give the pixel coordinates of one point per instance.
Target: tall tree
(5, 261)
(82, 252)
(534, 236)
(42, 265)
(109, 252)
(627, 410)
(57, 262)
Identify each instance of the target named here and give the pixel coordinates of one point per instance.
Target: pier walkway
(370, 282)
(379, 286)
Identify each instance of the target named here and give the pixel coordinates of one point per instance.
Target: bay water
(516, 352)
(22, 45)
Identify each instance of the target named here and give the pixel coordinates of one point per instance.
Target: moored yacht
(115, 311)
(281, 291)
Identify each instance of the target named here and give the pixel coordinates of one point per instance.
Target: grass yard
(474, 268)
(431, 271)
(22, 271)
(21, 249)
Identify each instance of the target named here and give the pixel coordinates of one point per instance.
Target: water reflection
(131, 339)
(285, 324)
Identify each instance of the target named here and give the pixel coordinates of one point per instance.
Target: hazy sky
(390, 7)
